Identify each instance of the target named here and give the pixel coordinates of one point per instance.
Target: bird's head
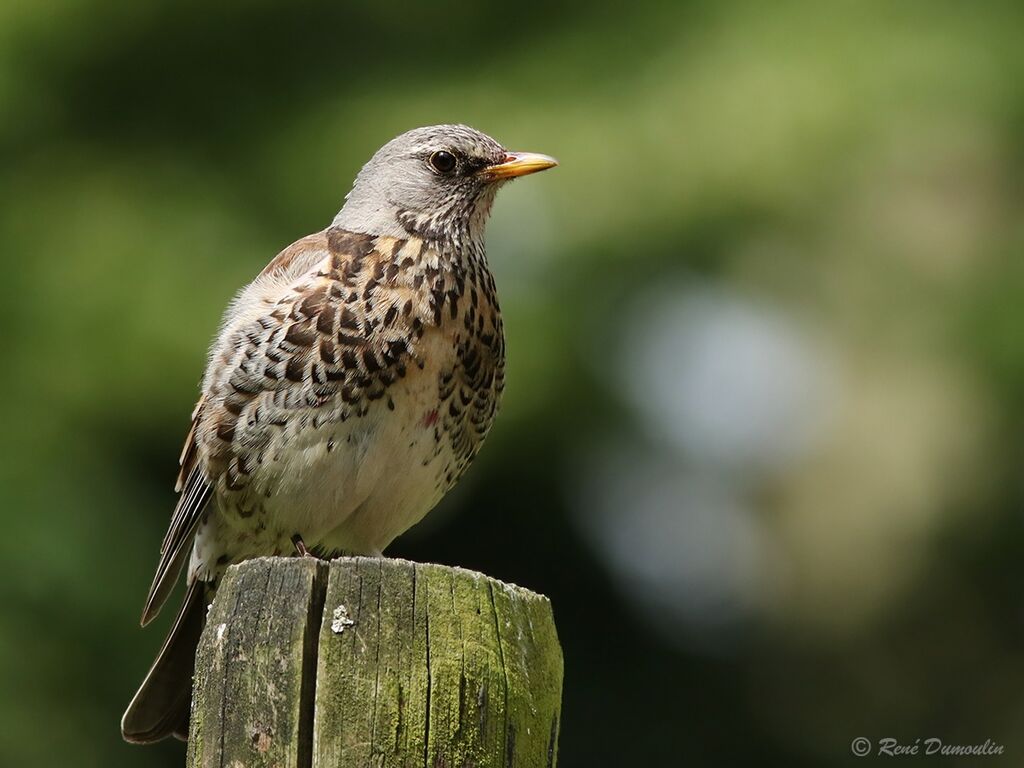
(436, 182)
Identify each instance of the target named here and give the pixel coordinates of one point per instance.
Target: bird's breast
(359, 390)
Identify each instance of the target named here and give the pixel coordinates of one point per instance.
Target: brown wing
(193, 486)
(317, 348)
(194, 493)
(321, 347)
(189, 454)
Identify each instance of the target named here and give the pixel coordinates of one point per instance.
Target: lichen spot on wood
(340, 620)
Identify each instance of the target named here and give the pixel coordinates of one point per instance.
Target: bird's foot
(301, 549)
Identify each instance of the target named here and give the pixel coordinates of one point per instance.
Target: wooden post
(374, 662)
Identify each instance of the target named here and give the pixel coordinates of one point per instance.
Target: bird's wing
(311, 345)
(328, 325)
(194, 492)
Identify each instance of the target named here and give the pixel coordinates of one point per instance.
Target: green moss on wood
(381, 663)
(247, 707)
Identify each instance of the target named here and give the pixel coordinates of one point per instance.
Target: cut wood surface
(374, 662)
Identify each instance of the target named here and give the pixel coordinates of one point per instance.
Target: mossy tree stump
(374, 662)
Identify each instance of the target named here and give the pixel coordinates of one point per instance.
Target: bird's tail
(160, 708)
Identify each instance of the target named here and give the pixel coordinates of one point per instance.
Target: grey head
(436, 183)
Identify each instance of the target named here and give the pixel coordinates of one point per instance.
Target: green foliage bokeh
(854, 166)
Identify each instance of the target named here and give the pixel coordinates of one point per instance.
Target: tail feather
(164, 582)
(160, 708)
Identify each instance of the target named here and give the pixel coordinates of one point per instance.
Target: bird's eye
(443, 162)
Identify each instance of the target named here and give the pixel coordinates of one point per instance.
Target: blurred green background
(764, 427)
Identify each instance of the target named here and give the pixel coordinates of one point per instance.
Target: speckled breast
(351, 335)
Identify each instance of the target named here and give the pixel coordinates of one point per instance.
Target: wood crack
(509, 748)
(310, 659)
(429, 686)
(376, 662)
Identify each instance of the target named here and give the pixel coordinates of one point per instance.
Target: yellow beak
(519, 164)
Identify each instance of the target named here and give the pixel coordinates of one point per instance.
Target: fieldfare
(350, 385)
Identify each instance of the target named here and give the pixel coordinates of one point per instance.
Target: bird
(349, 386)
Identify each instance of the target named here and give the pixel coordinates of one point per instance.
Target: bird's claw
(301, 549)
